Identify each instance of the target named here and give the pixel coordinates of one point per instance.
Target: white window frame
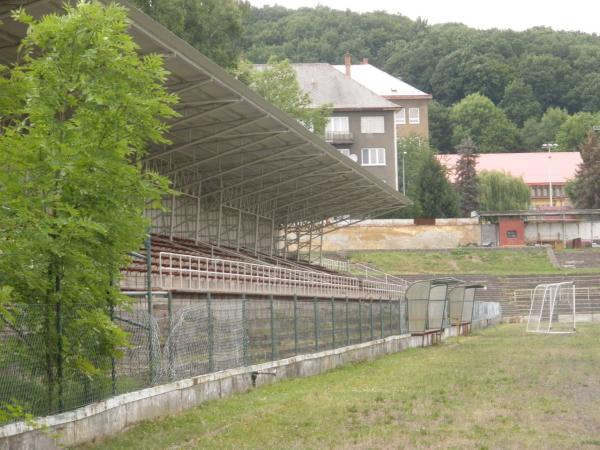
(372, 157)
(338, 124)
(344, 151)
(372, 124)
(401, 116)
(412, 118)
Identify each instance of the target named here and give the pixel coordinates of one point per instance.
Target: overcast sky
(577, 15)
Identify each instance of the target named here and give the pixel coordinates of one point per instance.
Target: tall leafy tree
(440, 127)
(467, 183)
(433, 192)
(477, 117)
(537, 132)
(573, 131)
(214, 27)
(519, 102)
(500, 191)
(277, 83)
(584, 190)
(72, 189)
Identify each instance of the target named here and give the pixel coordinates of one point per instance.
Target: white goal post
(552, 308)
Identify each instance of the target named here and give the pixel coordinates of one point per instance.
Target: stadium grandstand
(256, 190)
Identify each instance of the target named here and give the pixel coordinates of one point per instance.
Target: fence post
(399, 316)
(316, 315)
(113, 368)
(273, 337)
(244, 331)
(391, 317)
(59, 354)
(360, 334)
(148, 249)
(371, 317)
(332, 322)
(347, 325)
(170, 349)
(381, 315)
(211, 331)
(295, 324)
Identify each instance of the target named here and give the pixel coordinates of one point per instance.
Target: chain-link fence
(170, 339)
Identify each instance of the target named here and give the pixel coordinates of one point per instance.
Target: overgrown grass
(499, 388)
(463, 261)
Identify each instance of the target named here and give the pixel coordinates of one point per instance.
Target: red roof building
(545, 173)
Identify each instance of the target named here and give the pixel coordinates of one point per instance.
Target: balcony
(339, 137)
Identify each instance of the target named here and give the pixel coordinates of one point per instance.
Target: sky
(571, 15)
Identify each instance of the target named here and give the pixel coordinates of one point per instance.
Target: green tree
(433, 193)
(572, 133)
(214, 27)
(72, 188)
(500, 191)
(584, 190)
(467, 183)
(519, 102)
(537, 132)
(477, 117)
(440, 127)
(585, 95)
(278, 84)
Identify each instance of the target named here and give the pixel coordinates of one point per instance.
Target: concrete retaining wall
(111, 416)
(403, 234)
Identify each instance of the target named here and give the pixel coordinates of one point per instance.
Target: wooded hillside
(522, 73)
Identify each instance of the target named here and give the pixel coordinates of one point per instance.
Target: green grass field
(499, 388)
(463, 261)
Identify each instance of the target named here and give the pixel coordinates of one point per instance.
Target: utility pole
(550, 146)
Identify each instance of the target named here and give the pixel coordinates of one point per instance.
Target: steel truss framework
(249, 176)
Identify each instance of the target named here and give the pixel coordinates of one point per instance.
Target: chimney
(348, 62)
(365, 61)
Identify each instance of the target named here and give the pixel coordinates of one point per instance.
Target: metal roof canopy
(426, 302)
(230, 146)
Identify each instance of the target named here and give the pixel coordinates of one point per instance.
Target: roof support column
(272, 236)
(256, 234)
(220, 219)
(172, 224)
(239, 231)
(198, 207)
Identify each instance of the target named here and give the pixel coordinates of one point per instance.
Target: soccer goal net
(552, 308)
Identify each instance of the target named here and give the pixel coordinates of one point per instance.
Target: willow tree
(83, 110)
(500, 191)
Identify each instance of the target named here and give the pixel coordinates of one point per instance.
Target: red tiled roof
(535, 168)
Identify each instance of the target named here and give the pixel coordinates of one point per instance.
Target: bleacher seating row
(178, 264)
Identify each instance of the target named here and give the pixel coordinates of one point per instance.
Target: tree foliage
(477, 117)
(434, 197)
(584, 190)
(519, 102)
(467, 183)
(214, 27)
(277, 83)
(72, 189)
(500, 191)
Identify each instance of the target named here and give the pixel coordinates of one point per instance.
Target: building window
(413, 116)
(511, 234)
(401, 117)
(373, 156)
(338, 125)
(372, 124)
(344, 151)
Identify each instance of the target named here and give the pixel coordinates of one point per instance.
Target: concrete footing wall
(111, 416)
